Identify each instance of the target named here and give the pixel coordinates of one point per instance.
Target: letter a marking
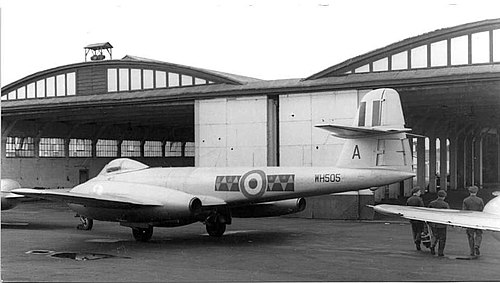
(356, 152)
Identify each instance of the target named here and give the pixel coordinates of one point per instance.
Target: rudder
(377, 137)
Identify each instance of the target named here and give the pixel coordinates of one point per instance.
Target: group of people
(437, 231)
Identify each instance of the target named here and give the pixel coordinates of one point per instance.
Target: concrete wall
(342, 206)
(301, 144)
(231, 132)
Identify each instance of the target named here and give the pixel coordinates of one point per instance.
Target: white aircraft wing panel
(94, 200)
(462, 218)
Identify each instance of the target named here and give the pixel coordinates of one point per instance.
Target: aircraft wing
(103, 200)
(349, 132)
(463, 218)
(11, 196)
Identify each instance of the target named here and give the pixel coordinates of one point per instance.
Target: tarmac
(40, 243)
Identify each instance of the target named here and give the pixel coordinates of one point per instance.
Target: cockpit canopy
(122, 165)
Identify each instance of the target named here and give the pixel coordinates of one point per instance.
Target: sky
(265, 39)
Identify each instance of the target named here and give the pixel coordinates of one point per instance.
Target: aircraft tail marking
(377, 137)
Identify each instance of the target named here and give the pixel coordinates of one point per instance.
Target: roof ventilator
(98, 51)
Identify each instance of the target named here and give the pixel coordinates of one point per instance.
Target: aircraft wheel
(86, 223)
(216, 229)
(142, 234)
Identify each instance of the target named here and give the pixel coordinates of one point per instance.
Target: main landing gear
(142, 234)
(216, 224)
(85, 223)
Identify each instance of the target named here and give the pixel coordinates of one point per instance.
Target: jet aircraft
(9, 200)
(376, 153)
(488, 219)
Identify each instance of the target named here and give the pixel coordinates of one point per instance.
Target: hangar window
(173, 149)
(80, 148)
(439, 53)
(198, 81)
(51, 87)
(173, 79)
(459, 50)
(12, 95)
(30, 91)
(112, 80)
(496, 45)
(51, 147)
(20, 147)
(381, 65)
(161, 79)
(135, 79)
(40, 88)
(419, 57)
(21, 93)
(189, 149)
(152, 149)
(71, 83)
(131, 148)
(60, 85)
(107, 148)
(147, 79)
(363, 69)
(399, 61)
(186, 80)
(481, 47)
(123, 79)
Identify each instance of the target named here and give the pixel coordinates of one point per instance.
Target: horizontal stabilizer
(106, 201)
(351, 132)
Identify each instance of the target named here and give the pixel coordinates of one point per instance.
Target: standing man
(474, 236)
(439, 230)
(417, 227)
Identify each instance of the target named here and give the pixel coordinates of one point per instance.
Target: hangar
(61, 126)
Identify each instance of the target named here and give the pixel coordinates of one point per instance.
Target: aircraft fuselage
(232, 186)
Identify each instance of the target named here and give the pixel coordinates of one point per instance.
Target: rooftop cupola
(97, 51)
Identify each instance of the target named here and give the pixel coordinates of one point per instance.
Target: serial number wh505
(327, 178)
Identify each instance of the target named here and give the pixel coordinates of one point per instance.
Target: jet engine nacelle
(163, 203)
(178, 204)
(269, 209)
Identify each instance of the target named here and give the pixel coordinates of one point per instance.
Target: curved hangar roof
(87, 91)
(451, 74)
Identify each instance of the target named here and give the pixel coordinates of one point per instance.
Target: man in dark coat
(474, 236)
(439, 230)
(417, 227)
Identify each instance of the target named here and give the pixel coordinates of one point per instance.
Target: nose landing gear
(85, 223)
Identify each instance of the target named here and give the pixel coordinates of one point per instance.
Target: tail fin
(377, 137)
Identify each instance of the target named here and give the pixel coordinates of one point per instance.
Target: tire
(216, 229)
(142, 234)
(86, 223)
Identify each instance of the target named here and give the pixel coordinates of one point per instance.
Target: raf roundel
(253, 184)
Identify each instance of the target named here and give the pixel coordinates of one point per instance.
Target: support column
(468, 155)
(421, 162)
(119, 149)
(94, 148)
(66, 147)
(498, 155)
(477, 161)
(273, 131)
(460, 162)
(432, 164)
(443, 163)
(453, 163)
